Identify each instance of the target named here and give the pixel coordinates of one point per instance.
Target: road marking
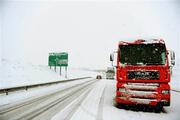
(101, 104)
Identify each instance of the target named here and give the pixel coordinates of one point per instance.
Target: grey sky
(89, 31)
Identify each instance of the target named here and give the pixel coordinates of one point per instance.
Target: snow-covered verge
(13, 73)
(175, 79)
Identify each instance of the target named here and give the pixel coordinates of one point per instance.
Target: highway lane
(35, 107)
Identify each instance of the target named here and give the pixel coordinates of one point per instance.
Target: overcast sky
(89, 31)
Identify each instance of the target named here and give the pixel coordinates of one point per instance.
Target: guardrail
(175, 90)
(26, 87)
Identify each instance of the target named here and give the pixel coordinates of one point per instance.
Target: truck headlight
(165, 91)
(122, 90)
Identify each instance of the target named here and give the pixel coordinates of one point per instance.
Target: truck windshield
(143, 54)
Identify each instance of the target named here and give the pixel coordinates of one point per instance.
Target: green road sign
(58, 59)
(52, 59)
(62, 59)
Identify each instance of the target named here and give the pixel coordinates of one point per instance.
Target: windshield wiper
(154, 64)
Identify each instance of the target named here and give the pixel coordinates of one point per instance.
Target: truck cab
(143, 73)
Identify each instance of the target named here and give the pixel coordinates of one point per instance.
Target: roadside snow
(175, 79)
(18, 74)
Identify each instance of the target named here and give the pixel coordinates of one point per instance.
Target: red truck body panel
(132, 89)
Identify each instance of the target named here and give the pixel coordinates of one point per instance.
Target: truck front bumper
(136, 101)
(143, 93)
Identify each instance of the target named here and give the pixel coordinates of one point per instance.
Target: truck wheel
(118, 105)
(158, 108)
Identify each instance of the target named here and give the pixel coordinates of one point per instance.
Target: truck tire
(158, 108)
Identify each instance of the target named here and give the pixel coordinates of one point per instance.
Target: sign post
(66, 72)
(60, 70)
(62, 61)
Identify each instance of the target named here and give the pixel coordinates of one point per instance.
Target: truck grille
(143, 75)
(141, 93)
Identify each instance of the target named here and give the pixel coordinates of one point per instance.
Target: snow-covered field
(13, 73)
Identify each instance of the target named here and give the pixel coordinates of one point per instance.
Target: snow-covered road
(112, 113)
(99, 106)
(46, 106)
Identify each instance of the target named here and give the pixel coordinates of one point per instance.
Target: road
(99, 106)
(89, 100)
(112, 113)
(46, 106)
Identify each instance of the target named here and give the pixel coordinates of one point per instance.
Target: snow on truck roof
(142, 41)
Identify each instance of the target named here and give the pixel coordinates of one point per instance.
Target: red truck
(143, 73)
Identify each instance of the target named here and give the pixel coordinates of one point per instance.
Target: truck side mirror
(111, 57)
(172, 58)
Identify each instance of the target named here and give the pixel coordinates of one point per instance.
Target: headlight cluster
(122, 90)
(165, 91)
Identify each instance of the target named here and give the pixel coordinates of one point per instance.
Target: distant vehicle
(143, 73)
(98, 77)
(110, 73)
